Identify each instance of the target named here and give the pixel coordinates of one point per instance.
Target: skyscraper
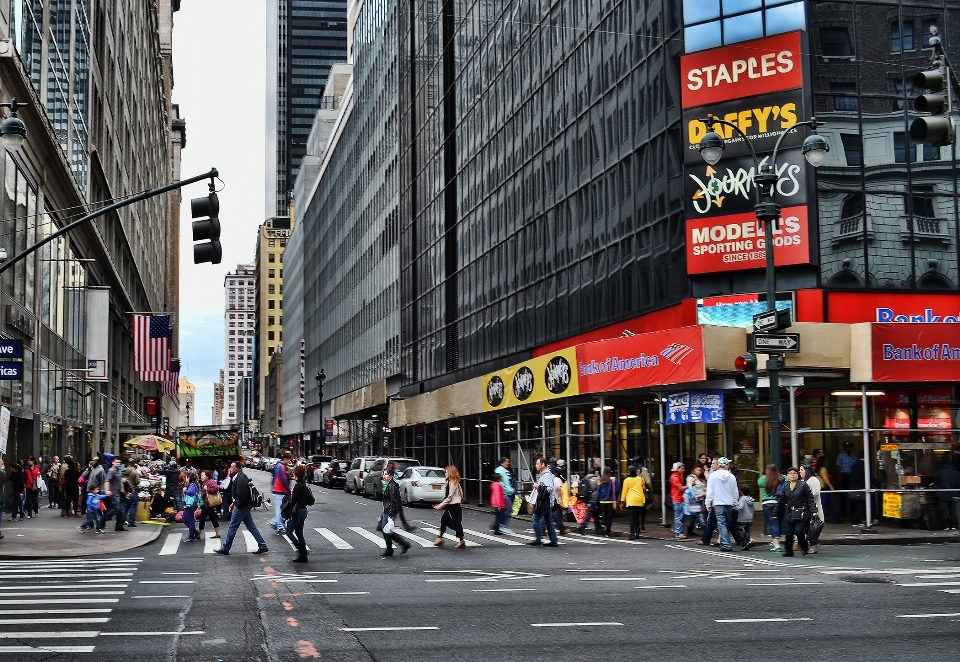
(304, 38)
(238, 332)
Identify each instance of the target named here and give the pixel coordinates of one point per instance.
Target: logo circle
(556, 376)
(495, 391)
(523, 383)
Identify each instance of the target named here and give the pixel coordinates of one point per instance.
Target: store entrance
(749, 442)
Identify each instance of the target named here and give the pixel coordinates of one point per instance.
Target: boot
(404, 545)
(461, 544)
(301, 554)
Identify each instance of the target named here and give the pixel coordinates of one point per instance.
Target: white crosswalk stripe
(372, 537)
(337, 541)
(450, 536)
(423, 542)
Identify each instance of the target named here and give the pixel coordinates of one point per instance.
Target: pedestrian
(296, 512)
(131, 485)
(498, 503)
(452, 511)
(113, 489)
(280, 489)
(722, 496)
(17, 491)
(769, 484)
(947, 478)
(606, 500)
(506, 482)
(633, 499)
(240, 512)
(53, 482)
(561, 492)
(226, 492)
(745, 511)
(391, 508)
(677, 486)
(809, 476)
(694, 495)
(191, 501)
(798, 506)
(583, 508)
(210, 501)
(31, 485)
(172, 488)
(543, 505)
(94, 510)
(826, 485)
(71, 489)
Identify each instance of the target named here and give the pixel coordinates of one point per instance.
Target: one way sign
(769, 343)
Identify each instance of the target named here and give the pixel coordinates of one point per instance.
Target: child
(94, 514)
(745, 510)
(498, 502)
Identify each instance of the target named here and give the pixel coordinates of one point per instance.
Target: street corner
(26, 542)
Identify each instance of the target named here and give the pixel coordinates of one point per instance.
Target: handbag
(214, 500)
(532, 501)
(816, 528)
(517, 505)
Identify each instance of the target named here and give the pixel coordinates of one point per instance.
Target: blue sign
(11, 372)
(695, 407)
(11, 349)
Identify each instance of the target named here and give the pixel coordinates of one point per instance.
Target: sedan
(334, 474)
(422, 485)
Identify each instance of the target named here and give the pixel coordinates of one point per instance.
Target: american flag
(676, 352)
(151, 344)
(170, 387)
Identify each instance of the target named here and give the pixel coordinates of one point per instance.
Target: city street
(494, 600)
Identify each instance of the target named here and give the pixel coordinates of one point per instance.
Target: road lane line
(786, 583)
(84, 634)
(572, 625)
(60, 601)
(598, 570)
(46, 649)
(375, 539)
(664, 586)
(170, 544)
(613, 579)
(954, 615)
(66, 593)
(150, 634)
(51, 621)
(759, 620)
(932, 584)
(337, 541)
(40, 587)
(158, 597)
(252, 544)
(423, 542)
(171, 581)
(390, 629)
(501, 590)
(118, 576)
(179, 573)
(21, 612)
(500, 539)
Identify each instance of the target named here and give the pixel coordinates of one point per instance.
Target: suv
(334, 474)
(358, 470)
(315, 463)
(371, 481)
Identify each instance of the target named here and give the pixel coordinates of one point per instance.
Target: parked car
(421, 485)
(358, 469)
(269, 463)
(371, 482)
(334, 474)
(253, 461)
(315, 464)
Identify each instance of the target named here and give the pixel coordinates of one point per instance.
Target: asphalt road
(611, 599)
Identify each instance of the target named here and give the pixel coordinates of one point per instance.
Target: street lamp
(321, 377)
(814, 150)
(12, 130)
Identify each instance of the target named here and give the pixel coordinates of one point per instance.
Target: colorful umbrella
(149, 442)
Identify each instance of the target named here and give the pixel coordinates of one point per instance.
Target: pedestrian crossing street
(42, 601)
(359, 538)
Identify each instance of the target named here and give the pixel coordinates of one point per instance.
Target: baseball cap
(561, 463)
(677, 465)
(723, 461)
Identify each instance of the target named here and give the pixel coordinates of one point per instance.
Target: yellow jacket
(632, 493)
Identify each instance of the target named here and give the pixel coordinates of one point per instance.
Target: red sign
(853, 307)
(742, 70)
(150, 405)
(732, 243)
(915, 353)
(648, 359)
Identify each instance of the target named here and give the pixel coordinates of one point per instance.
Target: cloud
(201, 357)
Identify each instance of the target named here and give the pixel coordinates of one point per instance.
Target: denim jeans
(295, 528)
(93, 520)
(277, 521)
(677, 519)
(130, 509)
(770, 512)
(242, 516)
(724, 517)
(541, 521)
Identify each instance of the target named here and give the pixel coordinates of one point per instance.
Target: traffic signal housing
(936, 130)
(206, 229)
(746, 379)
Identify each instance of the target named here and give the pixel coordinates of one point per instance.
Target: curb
(156, 534)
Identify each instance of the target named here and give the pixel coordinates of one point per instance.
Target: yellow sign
(889, 447)
(543, 378)
(892, 502)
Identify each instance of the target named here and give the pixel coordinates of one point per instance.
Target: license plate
(436, 487)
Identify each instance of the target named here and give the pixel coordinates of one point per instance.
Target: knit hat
(677, 465)
(723, 461)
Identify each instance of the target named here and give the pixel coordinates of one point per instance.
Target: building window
(270, 351)
(283, 243)
(903, 150)
(901, 36)
(272, 243)
(845, 103)
(271, 320)
(232, 373)
(852, 148)
(835, 42)
(271, 273)
(271, 304)
(271, 289)
(271, 257)
(925, 27)
(931, 153)
(271, 335)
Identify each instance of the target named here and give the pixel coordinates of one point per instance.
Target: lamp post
(12, 130)
(321, 377)
(814, 149)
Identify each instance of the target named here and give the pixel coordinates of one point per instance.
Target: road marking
(51, 621)
(787, 584)
(423, 542)
(377, 540)
(664, 586)
(501, 590)
(46, 649)
(149, 634)
(85, 634)
(572, 538)
(500, 539)
(22, 612)
(362, 503)
(252, 544)
(759, 620)
(597, 570)
(158, 597)
(932, 584)
(449, 536)
(72, 562)
(337, 541)
(179, 573)
(62, 601)
(337, 593)
(954, 576)
(121, 584)
(292, 546)
(613, 579)
(394, 629)
(571, 625)
(211, 545)
(118, 575)
(929, 615)
(950, 590)
(171, 581)
(65, 593)
(170, 544)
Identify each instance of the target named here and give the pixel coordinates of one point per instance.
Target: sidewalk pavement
(50, 536)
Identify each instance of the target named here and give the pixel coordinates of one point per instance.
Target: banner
(541, 378)
(905, 308)
(97, 320)
(4, 429)
(915, 353)
(648, 359)
(694, 407)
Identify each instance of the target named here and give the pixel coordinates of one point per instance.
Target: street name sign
(11, 371)
(773, 342)
(772, 320)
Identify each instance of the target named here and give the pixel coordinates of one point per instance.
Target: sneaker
(551, 544)
(386, 552)
(726, 549)
(504, 529)
(221, 551)
(535, 543)
(99, 531)
(261, 550)
(496, 532)
(82, 529)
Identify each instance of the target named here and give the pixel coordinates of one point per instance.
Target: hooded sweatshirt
(722, 489)
(745, 509)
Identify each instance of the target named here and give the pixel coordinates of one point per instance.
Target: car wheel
(345, 487)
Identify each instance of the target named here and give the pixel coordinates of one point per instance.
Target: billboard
(905, 308)
(737, 310)
(541, 378)
(915, 353)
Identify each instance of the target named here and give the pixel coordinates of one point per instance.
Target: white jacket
(722, 489)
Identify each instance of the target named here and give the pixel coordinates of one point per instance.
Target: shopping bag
(517, 505)
(389, 526)
(816, 528)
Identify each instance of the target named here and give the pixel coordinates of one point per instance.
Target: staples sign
(741, 70)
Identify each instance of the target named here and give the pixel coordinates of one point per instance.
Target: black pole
(129, 201)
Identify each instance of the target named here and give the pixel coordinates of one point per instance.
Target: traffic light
(206, 229)
(746, 366)
(936, 130)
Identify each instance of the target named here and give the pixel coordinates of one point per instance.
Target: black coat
(799, 498)
(241, 491)
(391, 499)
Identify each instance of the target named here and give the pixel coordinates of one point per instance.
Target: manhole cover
(868, 580)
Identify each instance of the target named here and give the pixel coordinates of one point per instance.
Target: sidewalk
(49, 535)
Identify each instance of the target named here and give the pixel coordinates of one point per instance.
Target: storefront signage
(541, 378)
(11, 349)
(649, 359)
(748, 69)
(732, 243)
(853, 307)
(328, 426)
(695, 407)
(11, 372)
(892, 502)
(915, 353)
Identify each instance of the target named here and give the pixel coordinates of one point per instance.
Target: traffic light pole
(213, 173)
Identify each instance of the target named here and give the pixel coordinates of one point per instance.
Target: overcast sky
(218, 72)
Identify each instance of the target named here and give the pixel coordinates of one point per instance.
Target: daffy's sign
(541, 378)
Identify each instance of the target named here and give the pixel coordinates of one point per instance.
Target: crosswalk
(38, 614)
(360, 538)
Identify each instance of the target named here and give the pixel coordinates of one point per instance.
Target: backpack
(256, 499)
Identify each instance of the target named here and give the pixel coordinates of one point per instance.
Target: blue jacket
(93, 501)
(606, 492)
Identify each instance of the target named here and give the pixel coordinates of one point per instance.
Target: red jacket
(30, 475)
(496, 496)
(677, 486)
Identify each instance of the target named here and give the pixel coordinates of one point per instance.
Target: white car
(421, 485)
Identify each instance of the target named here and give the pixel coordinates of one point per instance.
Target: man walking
(845, 462)
(506, 481)
(391, 508)
(240, 512)
(280, 488)
(676, 498)
(722, 497)
(542, 515)
(132, 477)
(114, 492)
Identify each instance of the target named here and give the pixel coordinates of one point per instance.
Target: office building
(272, 238)
(217, 410)
(238, 332)
(188, 402)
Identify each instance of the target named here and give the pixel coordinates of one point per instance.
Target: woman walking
(210, 493)
(392, 507)
(71, 490)
(633, 499)
(191, 499)
(798, 506)
(452, 511)
(809, 476)
(300, 498)
(769, 485)
(606, 500)
(31, 488)
(15, 478)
